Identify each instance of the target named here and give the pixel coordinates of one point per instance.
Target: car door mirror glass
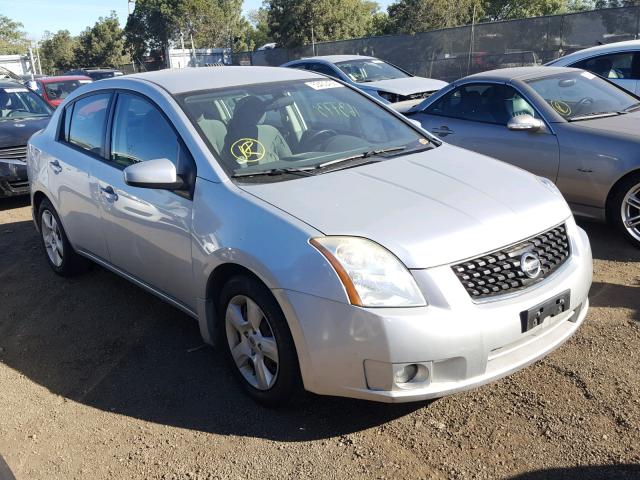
(160, 173)
(525, 122)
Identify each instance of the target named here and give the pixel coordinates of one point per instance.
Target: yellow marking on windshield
(561, 107)
(248, 150)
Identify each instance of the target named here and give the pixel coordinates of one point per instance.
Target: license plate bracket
(535, 316)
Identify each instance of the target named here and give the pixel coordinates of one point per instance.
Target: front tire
(624, 208)
(257, 342)
(61, 256)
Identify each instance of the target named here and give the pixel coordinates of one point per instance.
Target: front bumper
(458, 344)
(13, 178)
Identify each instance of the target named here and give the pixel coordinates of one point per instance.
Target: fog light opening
(406, 373)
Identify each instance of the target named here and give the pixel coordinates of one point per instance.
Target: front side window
(615, 66)
(482, 102)
(141, 132)
(322, 68)
(580, 95)
(370, 70)
(87, 123)
(20, 102)
(60, 90)
(302, 124)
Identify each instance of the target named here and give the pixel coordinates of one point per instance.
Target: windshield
(295, 125)
(580, 95)
(370, 70)
(19, 102)
(60, 90)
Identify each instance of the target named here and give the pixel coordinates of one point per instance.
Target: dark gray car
(568, 125)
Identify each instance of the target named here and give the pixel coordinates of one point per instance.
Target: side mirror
(415, 122)
(160, 174)
(525, 122)
(32, 85)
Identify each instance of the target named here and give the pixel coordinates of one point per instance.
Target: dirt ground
(100, 380)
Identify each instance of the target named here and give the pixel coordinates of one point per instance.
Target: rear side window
(322, 68)
(85, 122)
(141, 132)
(624, 65)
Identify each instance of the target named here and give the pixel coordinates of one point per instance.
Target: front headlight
(372, 276)
(390, 97)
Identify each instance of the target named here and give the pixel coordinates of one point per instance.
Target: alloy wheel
(630, 211)
(52, 238)
(251, 341)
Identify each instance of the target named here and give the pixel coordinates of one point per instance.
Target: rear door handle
(109, 193)
(442, 131)
(55, 166)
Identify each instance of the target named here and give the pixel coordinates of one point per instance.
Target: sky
(75, 15)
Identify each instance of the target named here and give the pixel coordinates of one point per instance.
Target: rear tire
(624, 208)
(61, 256)
(257, 342)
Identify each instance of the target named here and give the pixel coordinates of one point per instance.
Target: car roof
(334, 58)
(181, 80)
(518, 73)
(4, 83)
(62, 78)
(606, 48)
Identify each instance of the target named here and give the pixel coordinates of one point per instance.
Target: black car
(96, 73)
(22, 113)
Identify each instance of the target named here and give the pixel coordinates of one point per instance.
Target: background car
(54, 90)
(567, 125)
(386, 82)
(22, 113)
(95, 73)
(320, 238)
(619, 62)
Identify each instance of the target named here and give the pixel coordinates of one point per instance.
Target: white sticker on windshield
(85, 81)
(16, 90)
(323, 84)
(587, 75)
(377, 61)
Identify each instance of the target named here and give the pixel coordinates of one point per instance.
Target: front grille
(13, 153)
(500, 272)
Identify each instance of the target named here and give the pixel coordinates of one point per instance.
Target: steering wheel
(584, 102)
(320, 136)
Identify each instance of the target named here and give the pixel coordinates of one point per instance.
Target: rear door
(622, 68)
(75, 156)
(475, 116)
(148, 230)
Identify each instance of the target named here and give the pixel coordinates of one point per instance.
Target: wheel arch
(614, 188)
(38, 197)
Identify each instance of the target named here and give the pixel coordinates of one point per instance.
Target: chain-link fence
(455, 52)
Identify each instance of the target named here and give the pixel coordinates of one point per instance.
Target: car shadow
(608, 244)
(613, 295)
(98, 340)
(591, 472)
(10, 203)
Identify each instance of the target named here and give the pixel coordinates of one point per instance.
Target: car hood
(430, 208)
(16, 132)
(405, 86)
(627, 124)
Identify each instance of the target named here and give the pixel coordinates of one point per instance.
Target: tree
(291, 21)
(258, 34)
(12, 39)
(508, 9)
(57, 51)
(413, 16)
(101, 45)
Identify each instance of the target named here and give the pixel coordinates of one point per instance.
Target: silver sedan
(320, 239)
(565, 124)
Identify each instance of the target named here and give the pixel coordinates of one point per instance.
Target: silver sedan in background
(320, 238)
(568, 125)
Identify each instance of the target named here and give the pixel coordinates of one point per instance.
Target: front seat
(247, 141)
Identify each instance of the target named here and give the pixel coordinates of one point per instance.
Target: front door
(475, 117)
(148, 230)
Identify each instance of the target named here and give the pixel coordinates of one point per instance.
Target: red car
(55, 89)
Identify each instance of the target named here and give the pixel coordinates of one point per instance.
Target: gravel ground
(101, 380)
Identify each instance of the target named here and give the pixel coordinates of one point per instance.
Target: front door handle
(109, 193)
(55, 166)
(442, 131)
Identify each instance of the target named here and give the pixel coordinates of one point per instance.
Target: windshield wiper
(367, 154)
(302, 172)
(631, 108)
(591, 115)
